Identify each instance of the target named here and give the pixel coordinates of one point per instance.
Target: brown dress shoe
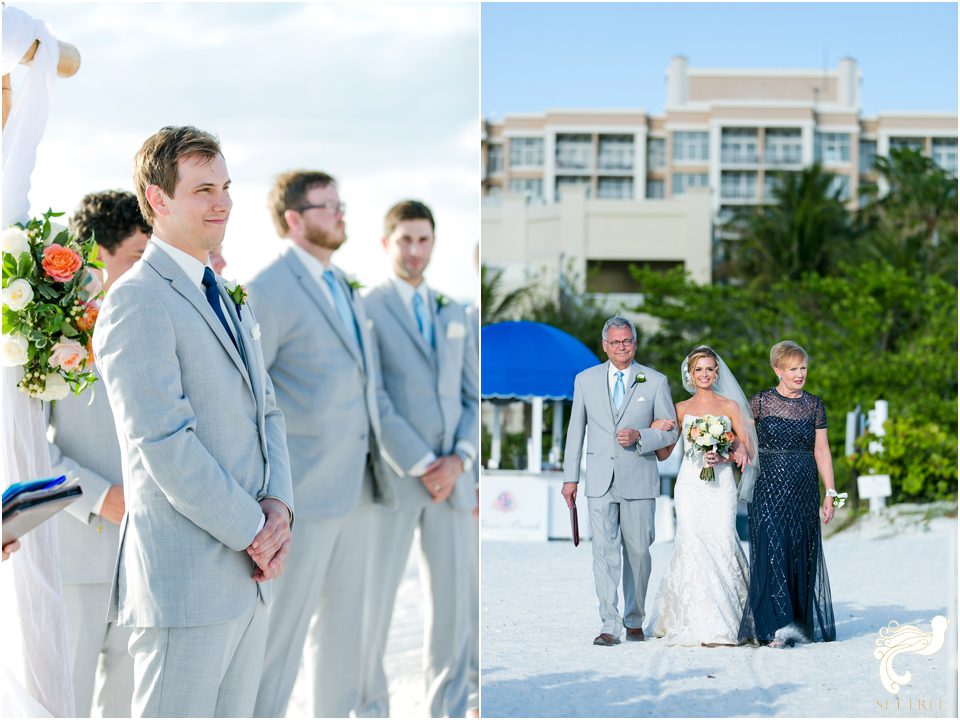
(635, 634)
(606, 639)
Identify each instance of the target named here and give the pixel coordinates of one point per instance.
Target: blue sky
(541, 56)
(382, 96)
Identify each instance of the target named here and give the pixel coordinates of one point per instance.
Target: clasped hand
(271, 545)
(441, 476)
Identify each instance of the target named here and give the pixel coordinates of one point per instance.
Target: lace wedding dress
(703, 592)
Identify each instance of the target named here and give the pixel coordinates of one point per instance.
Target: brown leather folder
(574, 525)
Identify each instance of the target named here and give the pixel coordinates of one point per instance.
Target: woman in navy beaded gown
(789, 596)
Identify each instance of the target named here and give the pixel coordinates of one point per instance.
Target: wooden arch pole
(67, 65)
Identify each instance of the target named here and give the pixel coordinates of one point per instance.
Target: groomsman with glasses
(430, 366)
(209, 500)
(346, 446)
(83, 440)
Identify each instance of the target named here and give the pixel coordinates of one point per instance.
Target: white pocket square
(455, 330)
(641, 399)
(369, 324)
(255, 332)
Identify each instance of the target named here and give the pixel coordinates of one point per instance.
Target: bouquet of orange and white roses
(710, 433)
(49, 310)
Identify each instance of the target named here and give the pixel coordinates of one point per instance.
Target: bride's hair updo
(701, 352)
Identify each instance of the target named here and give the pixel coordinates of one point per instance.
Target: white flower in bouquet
(13, 350)
(17, 295)
(706, 440)
(56, 388)
(15, 241)
(716, 429)
(55, 230)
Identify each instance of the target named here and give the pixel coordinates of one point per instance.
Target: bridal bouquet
(709, 433)
(48, 295)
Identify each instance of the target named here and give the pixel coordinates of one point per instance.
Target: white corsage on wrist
(839, 499)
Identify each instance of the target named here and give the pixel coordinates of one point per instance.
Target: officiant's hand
(569, 492)
(271, 544)
(628, 437)
(113, 505)
(441, 476)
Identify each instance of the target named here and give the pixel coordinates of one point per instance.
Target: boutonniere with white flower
(442, 301)
(237, 293)
(638, 378)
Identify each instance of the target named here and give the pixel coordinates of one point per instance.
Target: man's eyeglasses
(619, 344)
(333, 208)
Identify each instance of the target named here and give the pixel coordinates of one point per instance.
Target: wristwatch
(640, 444)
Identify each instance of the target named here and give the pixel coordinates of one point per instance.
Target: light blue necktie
(423, 319)
(343, 307)
(618, 391)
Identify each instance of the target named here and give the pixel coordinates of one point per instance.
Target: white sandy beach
(539, 617)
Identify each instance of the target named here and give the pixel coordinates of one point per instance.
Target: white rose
(56, 388)
(13, 350)
(706, 440)
(15, 241)
(17, 295)
(716, 429)
(55, 229)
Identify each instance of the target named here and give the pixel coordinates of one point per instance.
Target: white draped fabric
(36, 666)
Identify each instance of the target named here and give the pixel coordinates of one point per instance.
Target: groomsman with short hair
(343, 437)
(83, 440)
(209, 502)
(431, 372)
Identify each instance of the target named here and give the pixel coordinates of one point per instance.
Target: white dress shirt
(316, 268)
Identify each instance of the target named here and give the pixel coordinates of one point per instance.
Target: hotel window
(655, 189)
(738, 146)
(841, 183)
(573, 152)
(772, 181)
(616, 152)
(833, 148)
(615, 188)
(945, 154)
(532, 188)
(691, 146)
(494, 159)
(682, 181)
(868, 154)
(913, 143)
(782, 146)
(566, 184)
(656, 153)
(738, 185)
(526, 152)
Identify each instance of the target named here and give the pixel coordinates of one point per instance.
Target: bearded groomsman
(206, 476)
(83, 440)
(343, 435)
(431, 372)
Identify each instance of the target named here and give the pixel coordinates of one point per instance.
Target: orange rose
(86, 321)
(61, 263)
(67, 354)
(90, 352)
(728, 435)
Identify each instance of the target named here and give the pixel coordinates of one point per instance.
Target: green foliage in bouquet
(49, 311)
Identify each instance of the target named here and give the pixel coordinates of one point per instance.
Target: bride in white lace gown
(703, 592)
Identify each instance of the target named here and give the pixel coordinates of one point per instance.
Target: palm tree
(807, 229)
(914, 224)
(496, 304)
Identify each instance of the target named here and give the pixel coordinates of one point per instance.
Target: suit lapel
(399, 310)
(630, 388)
(310, 286)
(246, 346)
(603, 389)
(167, 268)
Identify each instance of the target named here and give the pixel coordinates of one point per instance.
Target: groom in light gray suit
(342, 434)
(614, 404)
(430, 368)
(83, 440)
(205, 468)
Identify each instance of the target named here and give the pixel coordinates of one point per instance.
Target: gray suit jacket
(593, 413)
(335, 409)
(202, 442)
(437, 391)
(83, 440)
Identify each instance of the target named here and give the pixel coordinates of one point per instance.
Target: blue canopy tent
(532, 362)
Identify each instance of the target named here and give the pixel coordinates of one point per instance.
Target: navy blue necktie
(213, 297)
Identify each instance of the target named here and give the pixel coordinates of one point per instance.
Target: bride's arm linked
(665, 425)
